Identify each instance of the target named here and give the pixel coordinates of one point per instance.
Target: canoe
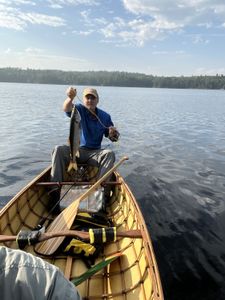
(133, 275)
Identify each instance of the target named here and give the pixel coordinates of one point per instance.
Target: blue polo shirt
(92, 131)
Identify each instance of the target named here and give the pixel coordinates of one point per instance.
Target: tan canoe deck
(132, 276)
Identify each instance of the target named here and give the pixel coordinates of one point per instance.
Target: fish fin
(72, 165)
(78, 153)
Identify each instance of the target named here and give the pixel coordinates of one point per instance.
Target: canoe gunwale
(147, 241)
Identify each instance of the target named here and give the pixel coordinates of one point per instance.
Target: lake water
(176, 144)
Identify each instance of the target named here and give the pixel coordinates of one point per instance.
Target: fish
(74, 138)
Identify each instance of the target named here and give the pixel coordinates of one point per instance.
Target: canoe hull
(134, 275)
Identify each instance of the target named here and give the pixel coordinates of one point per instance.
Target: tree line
(107, 78)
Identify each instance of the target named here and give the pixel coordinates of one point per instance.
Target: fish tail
(72, 165)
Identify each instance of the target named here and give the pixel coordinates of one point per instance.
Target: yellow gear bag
(78, 247)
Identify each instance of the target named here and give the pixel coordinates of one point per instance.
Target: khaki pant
(101, 158)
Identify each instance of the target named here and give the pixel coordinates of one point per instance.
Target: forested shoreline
(108, 78)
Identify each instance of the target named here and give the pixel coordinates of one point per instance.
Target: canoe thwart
(25, 238)
(76, 183)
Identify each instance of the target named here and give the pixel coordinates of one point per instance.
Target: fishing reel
(115, 136)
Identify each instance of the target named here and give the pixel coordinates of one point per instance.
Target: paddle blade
(95, 269)
(62, 222)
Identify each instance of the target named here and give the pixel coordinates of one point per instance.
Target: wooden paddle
(65, 219)
(72, 233)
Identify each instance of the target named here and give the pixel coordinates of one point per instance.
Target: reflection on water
(176, 145)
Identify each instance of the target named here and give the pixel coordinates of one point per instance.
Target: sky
(158, 37)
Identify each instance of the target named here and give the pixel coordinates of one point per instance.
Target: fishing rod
(44, 219)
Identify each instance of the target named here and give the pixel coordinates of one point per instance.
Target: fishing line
(93, 113)
(99, 120)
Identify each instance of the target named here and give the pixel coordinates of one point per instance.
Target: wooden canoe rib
(132, 276)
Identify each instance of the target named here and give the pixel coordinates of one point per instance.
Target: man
(95, 123)
(24, 276)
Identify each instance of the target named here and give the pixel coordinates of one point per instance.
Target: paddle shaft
(102, 179)
(72, 233)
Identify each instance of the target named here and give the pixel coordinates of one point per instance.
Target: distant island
(107, 78)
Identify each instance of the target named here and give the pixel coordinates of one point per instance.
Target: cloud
(147, 20)
(181, 12)
(109, 31)
(11, 20)
(171, 53)
(18, 14)
(56, 6)
(17, 2)
(141, 21)
(33, 51)
(198, 39)
(61, 3)
(38, 59)
(85, 15)
(14, 18)
(42, 19)
(160, 52)
(84, 33)
(137, 31)
(7, 51)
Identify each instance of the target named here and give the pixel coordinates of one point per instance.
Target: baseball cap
(90, 91)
